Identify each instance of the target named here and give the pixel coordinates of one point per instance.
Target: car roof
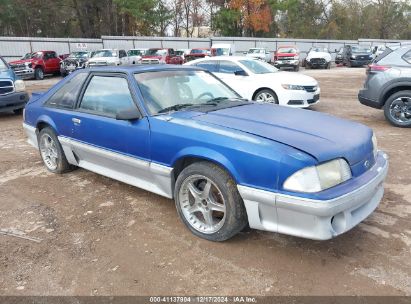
(143, 68)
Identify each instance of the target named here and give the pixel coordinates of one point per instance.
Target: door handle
(76, 121)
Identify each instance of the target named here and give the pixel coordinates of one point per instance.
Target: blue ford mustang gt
(182, 133)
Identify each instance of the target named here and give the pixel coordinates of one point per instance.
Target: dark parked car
(13, 95)
(227, 162)
(76, 60)
(354, 55)
(388, 85)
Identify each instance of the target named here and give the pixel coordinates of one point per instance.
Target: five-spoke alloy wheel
(208, 202)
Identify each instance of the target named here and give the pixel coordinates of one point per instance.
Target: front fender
(207, 154)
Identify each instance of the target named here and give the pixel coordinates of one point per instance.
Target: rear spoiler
(36, 95)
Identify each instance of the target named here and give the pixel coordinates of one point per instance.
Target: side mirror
(240, 73)
(130, 114)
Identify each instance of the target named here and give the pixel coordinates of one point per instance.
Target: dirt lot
(102, 237)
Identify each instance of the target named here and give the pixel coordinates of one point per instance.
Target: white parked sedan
(260, 81)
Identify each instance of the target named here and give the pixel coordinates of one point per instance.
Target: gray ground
(102, 237)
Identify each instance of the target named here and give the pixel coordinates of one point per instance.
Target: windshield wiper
(221, 99)
(176, 107)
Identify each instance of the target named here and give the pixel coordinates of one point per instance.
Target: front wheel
(266, 95)
(52, 153)
(18, 111)
(397, 109)
(39, 74)
(296, 68)
(208, 202)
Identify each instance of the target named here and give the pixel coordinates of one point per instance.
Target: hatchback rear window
(383, 55)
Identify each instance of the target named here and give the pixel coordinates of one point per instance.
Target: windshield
(105, 53)
(286, 50)
(78, 55)
(258, 67)
(3, 65)
(319, 50)
(27, 56)
(358, 49)
(179, 53)
(136, 52)
(169, 89)
(156, 52)
(199, 51)
(256, 51)
(221, 51)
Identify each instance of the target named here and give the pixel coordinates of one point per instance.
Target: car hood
(324, 55)
(7, 74)
(286, 55)
(153, 57)
(21, 61)
(255, 55)
(103, 59)
(286, 78)
(323, 136)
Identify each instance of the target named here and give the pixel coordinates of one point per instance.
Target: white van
(223, 49)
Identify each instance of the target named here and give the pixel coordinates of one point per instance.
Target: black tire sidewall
(236, 216)
(387, 105)
(36, 74)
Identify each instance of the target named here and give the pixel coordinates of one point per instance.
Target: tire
(227, 216)
(52, 153)
(296, 68)
(328, 67)
(18, 111)
(266, 95)
(397, 107)
(38, 74)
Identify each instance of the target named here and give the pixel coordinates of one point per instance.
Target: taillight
(377, 68)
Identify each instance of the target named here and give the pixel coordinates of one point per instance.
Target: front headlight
(353, 57)
(19, 86)
(374, 146)
(292, 87)
(319, 178)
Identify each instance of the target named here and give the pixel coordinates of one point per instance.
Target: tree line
(316, 19)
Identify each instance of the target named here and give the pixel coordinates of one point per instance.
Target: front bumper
(286, 63)
(362, 97)
(359, 62)
(298, 98)
(13, 101)
(27, 73)
(315, 219)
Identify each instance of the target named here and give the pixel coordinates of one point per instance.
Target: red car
(36, 65)
(287, 57)
(158, 55)
(198, 53)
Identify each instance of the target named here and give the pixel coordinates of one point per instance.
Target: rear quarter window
(407, 57)
(67, 95)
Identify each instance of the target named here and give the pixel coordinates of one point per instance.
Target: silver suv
(388, 85)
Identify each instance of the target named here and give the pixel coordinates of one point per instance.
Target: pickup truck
(13, 95)
(287, 57)
(161, 56)
(36, 65)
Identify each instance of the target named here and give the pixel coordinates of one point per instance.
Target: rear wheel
(52, 153)
(397, 109)
(38, 73)
(266, 95)
(18, 111)
(208, 202)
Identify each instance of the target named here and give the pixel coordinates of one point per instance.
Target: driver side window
(228, 67)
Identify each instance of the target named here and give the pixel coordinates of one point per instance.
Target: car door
(234, 75)
(123, 57)
(51, 62)
(103, 144)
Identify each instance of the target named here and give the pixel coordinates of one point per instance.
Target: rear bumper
(315, 219)
(13, 101)
(368, 101)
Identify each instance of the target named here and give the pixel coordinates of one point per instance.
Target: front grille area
(150, 61)
(6, 86)
(310, 89)
(319, 61)
(285, 58)
(20, 66)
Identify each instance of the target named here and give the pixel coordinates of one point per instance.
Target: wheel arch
(44, 122)
(264, 88)
(394, 88)
(188, 157)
